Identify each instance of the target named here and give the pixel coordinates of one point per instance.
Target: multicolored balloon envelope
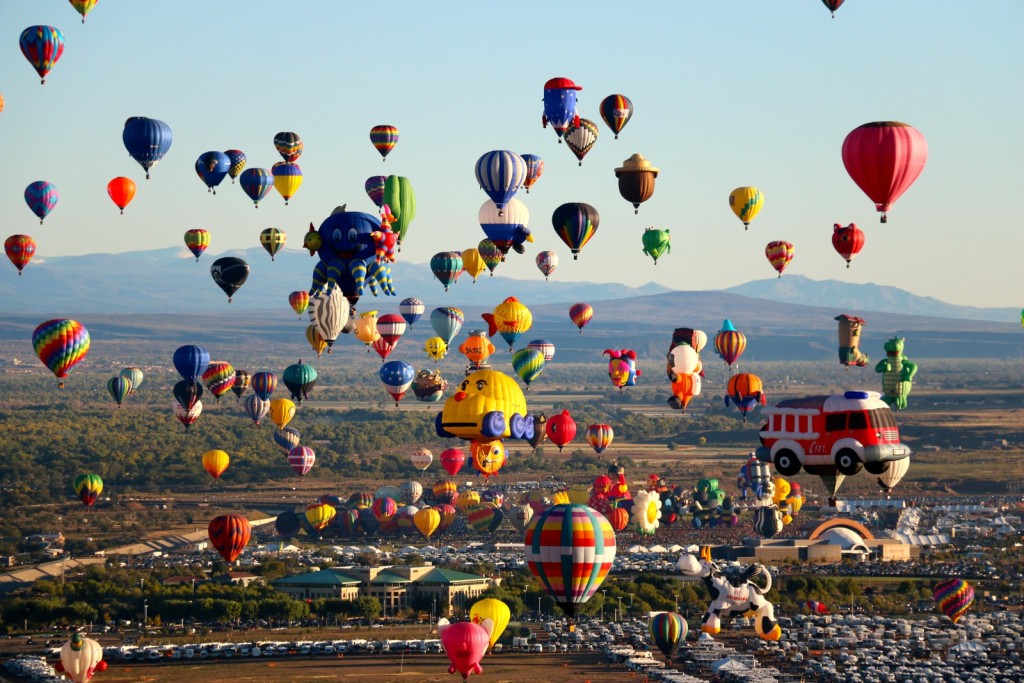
(88, 488)
(20, 249)
(560, 104)
(61, 344)
(616, 111)
(954, 597)
(570, 549)
(42, 47)
(668, 630)
(575, 223)
(779, 253)
(384, 138)
(847, 241)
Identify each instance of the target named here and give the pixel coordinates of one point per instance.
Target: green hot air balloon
(528, 364)
(300, 380)
(119, 388)
(656, 243)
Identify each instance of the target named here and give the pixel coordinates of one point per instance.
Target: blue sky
(726, 94)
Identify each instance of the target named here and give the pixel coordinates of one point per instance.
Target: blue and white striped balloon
(501, 173)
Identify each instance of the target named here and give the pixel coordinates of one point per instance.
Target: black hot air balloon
(230, 273)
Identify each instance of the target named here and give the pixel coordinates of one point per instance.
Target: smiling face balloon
(488, 405)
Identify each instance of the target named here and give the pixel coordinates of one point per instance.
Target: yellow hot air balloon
(473, 263)
(435, 348)
(746, 202)
(495, 610)
(427, 520)
(216, 462)
(316, 340)
(510, 318)
(282, 410)
(466, 500)
(560, 498)
(365, 328)
(319, 515)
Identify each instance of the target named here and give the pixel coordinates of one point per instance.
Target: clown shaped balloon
(622, 367)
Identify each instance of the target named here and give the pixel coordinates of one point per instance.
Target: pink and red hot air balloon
(847, 241)
(884, 158)
(580, 314)
(779, 253)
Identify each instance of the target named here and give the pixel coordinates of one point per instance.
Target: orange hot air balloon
(121, 191)
(215, 462)
(779, 254)
(20, 249)
(229, 534)
(580, 314)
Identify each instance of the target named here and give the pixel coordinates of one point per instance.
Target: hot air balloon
(187, 394)
(236, 162)
(421, 458)
(300, 379)
(400, 197)
(528, 364)
(410, 492)
(779, 254)
(520, 515)
(119, 389)
(384, 509)
(230, 273)
(147, 140)
(452, 460)
(575, 223)
(187, 415)
(282, 410)
(272, 240)
(684, 368)
(600, 436)
(42, 47)
(849, 341)
(256, 408)
(616, 111)
(81, 657)
(212, 167)
(191, 362)
(622, 368)
(506, 228)
(216, 462)
(287, 179)
(668, 630)
(41, 196)
(411, 309)
(534, 170)
(374, 187)
(88, 488)
(256, 183)
(384, 139)
(884, 158)
(580, 314)
(510, 318)
(319, 515)
(745, 392)
(746, 202)
(560, 104)
(485, 518)
(493, 610)
(83, 7)
(491, 254)
(954, 597)
(580, 137)
(561, 429)
(391, 328)
(229, 534)
(397, 376)
(287, 524)
(545, 347)
(446, 266)
(472, 262)
(465, 644)
(427, 520)
(133, 375)
(893, 475)
(197, 240)
(730, 343)
(429, 386)
(446, 322)
(847, 241)
(500, 173)
(570, 549)
(61, 344)
(897, 374)
(286, 439)
(329, 313)
(299, 301)
(301, 460)
(656, 243)
(636, 180)
(121, 191)
(435, 348)
(832, 6)
(263, 384)
(289, 146)
(20, 249)
(219, 377)
(547, 262)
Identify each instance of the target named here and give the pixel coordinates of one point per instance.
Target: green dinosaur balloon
(656, 243)
(897, 374)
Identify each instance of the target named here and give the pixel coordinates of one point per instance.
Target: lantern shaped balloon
(229, 534)
(561, 429)
(570, 549)
(779, 254)
(636, 180)
(884, 158)
(847, 241)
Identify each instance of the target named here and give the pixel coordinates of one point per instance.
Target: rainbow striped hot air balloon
(61, 344)
(384, 139)
(197, 240)
(954, 597)
(668, 630)
(570, 549)
(374, 187)
(20, 249)
(616, 111)
(88, 488)
(730, 343)
(575, 223)
(219, 377)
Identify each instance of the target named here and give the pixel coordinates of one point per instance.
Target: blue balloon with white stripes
(147, 140)
(501, 173)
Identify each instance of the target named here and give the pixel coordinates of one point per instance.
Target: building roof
(324, 577)
(441, 575)
(389, 577)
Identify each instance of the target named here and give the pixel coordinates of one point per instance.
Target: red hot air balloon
(884, 158)
(452, 460)
(229, 534)
(730, 343)
(847, 241)
(580, 314)
(561, 429)
(832, 6)
(779, 253)
(20, 249)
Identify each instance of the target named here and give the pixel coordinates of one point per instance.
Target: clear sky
(744, 92)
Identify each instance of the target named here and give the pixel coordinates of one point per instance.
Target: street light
(618, 615)
(538, 607)
(145, 614)
(604, 597)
